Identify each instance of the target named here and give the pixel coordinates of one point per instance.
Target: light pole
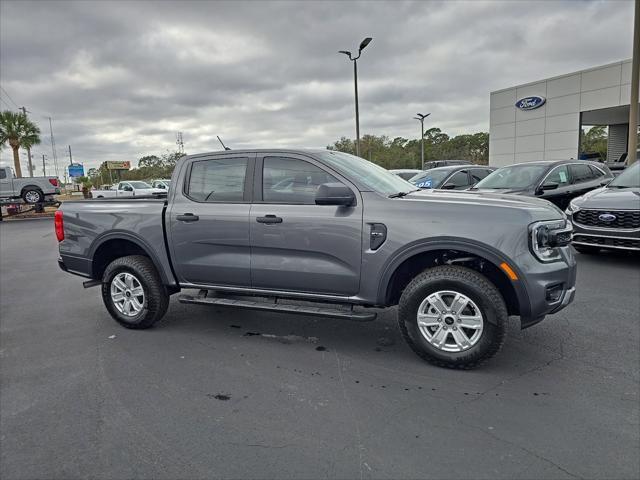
(421, 118)
(363, 44)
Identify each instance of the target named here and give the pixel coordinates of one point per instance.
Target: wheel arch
(113, 245)
(26, 188)
(417, 257)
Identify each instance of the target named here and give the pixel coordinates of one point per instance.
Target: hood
(610, 199)
(515, 191)
(537, 207)
(149, 191)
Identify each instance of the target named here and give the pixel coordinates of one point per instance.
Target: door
(6, 182)
(124, 190)
(560, 195)
(297, 245)
(208, 221)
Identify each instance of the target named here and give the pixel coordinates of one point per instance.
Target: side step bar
(274, 306)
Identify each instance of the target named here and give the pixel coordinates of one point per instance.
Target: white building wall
(552, 131)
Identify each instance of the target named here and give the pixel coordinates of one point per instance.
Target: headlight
(572, 208)
(546, 238)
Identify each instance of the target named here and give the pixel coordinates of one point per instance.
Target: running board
(274, 306)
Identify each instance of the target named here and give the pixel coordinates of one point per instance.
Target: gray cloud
(121, 78)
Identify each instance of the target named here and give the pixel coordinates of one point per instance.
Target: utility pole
(53, 148)
(632, 145)
(24, 112)
(421, 118)
(70, 157)
(363, 44)
(44, 167)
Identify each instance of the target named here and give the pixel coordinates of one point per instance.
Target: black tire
(477, 288)
(586, 249)
(156, 297)
(32, 195)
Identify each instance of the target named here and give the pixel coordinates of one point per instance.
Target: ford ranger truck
(324, 233)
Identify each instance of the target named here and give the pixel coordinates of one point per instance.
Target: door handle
(269, 219)
(188, 217)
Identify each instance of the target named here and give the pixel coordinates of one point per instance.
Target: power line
(9, 97)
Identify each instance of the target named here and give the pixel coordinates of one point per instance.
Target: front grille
(608, 241)
(624, 218)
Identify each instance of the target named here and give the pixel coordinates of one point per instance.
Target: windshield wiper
(402, 194)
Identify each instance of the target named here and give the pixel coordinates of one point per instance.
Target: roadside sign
(76, 170)
(118, 165)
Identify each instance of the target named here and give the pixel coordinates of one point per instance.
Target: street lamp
(421, 118)
(363, 44)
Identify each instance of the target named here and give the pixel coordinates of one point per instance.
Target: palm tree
(18, 131)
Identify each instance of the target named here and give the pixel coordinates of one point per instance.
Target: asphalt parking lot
(213, 393)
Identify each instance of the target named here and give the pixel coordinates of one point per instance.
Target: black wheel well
(416, 264)
(30, 187)
(111, 250)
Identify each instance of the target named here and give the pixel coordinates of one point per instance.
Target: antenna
(223, 145)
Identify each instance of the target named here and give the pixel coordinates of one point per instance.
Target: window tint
(559, 175)
(581, 173)
(288, 180)
(459, 180)
(220, 180)
(122, 186)
(478, 174)
(596, 172)
(3, 173)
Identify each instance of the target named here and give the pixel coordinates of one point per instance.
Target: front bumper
(550, 287)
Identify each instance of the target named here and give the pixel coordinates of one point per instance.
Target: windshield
(630, 178)
(517, 176)
(140, 185)
(430, 178)
(373, 176)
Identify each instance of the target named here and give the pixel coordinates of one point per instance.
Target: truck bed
(89, 224)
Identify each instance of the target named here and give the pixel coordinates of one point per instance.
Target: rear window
(219, 180)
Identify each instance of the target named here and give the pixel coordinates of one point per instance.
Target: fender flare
(140, 242)
(474, 247)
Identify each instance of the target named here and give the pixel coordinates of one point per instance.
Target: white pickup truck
(30, 189)
(130, 188)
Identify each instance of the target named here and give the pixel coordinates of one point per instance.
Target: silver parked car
(608, 217)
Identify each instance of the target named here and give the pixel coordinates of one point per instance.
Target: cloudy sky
(121, 78)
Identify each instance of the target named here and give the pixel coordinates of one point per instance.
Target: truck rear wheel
(453, 317)
(32, 195)
(133, 292)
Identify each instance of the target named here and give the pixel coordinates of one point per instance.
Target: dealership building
(542, 120)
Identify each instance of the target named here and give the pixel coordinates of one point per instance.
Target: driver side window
(559, 175)
(289, 180)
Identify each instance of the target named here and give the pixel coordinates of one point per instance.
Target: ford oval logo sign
(607, 217)
(530, 103)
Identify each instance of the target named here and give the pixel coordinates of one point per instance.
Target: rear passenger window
(219, 180)
(3, 173)
(288, 180)
(581, 173)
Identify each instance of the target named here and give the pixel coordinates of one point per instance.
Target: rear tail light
(59, 225)
(53, 181)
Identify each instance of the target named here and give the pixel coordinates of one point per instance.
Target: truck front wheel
(453, 317)
(133, 292)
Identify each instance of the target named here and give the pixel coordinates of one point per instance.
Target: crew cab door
(208, 222)
(297, 245)
(6, 182)
(124, 190)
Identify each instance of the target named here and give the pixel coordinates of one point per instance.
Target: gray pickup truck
(325, 233)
